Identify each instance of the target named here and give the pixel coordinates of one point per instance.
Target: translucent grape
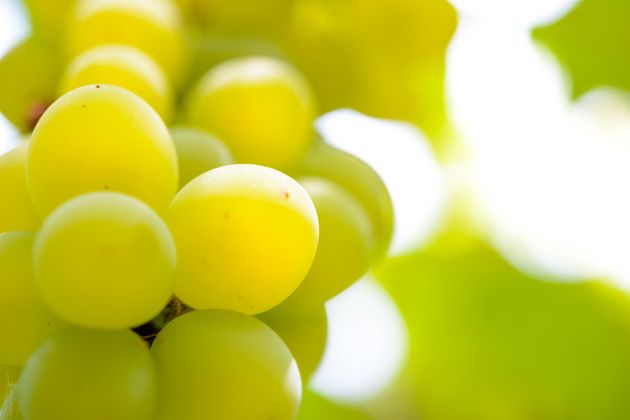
(16, 212)
(26, 89)
(261, 107)
(104, 260)
(304, 331)
(9, 409)
(122, 66)
(48, 17)
(224, 365)
(24, 319)
(79, 374)
(346, 243)
(198, 152)
(154, 27)
(246, 236)
(361, 180)
(97, 138)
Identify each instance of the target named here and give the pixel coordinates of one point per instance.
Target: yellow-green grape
(123, 66)
(346, 243)
(361, 180)
(28, 79)
(49, 17)
(304, 331)
(24, 319)
(261, 107)
(153, 26)
(224, 365)
(8, 378)
(9, 409)
(198, 152)
(98, 138)
(79, 374)
(16, 212)
(104, 260)
(246, 236)
(243, 16)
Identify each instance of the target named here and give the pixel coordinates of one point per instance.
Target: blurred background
(502, 129)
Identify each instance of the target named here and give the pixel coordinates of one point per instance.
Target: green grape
(49, 17)
(243, 16)
(96, 138)
(8, 378)
(123, 66)
(154, 27)
(198, 152)
(246, 236)
(16, 212)
(79, 374)
(304, 332)
(104, 260)
(346, 243)
(28, 79)
(24, 319)
(261, 107)
(224, 365)
(359, 179)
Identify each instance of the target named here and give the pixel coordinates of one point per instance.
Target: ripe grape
(198, 152)
(104, 260)
(79, 374)
(96, 138)
(9, 409)
(154, 27)
(224, 365)
(246, 236)
(48, 17)
(361, 180)
(261, 107)
(26, 89)
(122, 66)
(16, 212)
(24, 319)
(304, 331)
(346, 243)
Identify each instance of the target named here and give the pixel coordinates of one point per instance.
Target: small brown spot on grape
(106, 187)
(98, 86)
(286, 195)
(226, 215)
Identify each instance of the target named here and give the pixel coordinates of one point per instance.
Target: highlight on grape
(172, 224)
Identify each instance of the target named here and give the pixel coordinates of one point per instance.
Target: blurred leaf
(490, 343)
(382, 57)
(593, 42)
(316, 407)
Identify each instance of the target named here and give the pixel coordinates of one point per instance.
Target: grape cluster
(168, 237)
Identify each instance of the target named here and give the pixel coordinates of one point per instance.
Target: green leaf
(593, 42)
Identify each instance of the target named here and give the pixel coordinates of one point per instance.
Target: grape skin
(105, 260)
(246, 236)
(18, 212)
(224, 365)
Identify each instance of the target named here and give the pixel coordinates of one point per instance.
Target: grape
(48, 17)
(243, 16)
(9, 409)
(96, 138)
(24, 320)
(261, 107)
(346, 242)
(154, 27)
(246, 236)
(198, 152)
(79, 374)
(224, 365)
(304, 332)
(16, 212)
(125, 67)
(104, 260)
(25, 89)
(359, 179)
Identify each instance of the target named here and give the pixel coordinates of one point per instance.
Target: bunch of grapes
(172, 226)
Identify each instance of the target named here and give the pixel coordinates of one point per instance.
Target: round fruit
(16, 212)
